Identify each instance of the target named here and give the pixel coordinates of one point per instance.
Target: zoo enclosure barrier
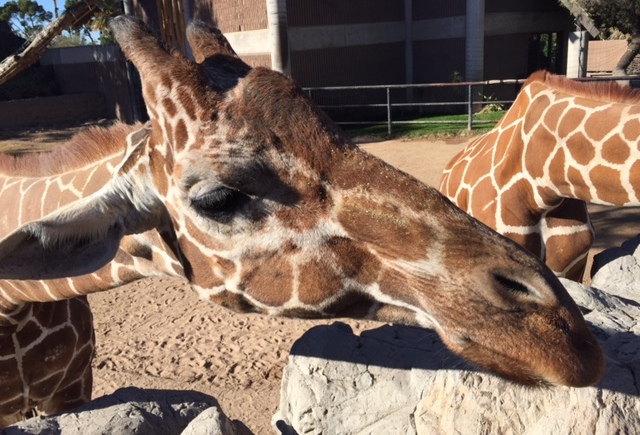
(462, 97)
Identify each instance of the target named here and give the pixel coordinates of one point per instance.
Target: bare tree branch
(77, 14)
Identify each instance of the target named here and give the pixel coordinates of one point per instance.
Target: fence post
(389, 111)
(470, 108)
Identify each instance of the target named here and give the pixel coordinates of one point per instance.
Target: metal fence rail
(471, 104)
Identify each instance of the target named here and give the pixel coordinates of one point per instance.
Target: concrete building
(362, 42)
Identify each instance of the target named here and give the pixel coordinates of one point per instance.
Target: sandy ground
(156, 334)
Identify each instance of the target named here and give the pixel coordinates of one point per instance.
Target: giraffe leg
(568, 235)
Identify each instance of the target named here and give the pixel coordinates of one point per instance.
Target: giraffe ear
(84, 235)
(206, 42)
(138, 44)
(219, 63)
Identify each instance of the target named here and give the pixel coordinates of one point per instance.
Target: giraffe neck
(35, 185)
(580, 147)
(38, 185)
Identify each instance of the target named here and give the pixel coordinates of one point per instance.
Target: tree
(98, 22)
(623, 15)
(26, 17)
(77, 14)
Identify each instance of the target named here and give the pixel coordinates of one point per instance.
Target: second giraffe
(561, 144)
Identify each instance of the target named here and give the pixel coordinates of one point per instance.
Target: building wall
(331, 36)
(98, 70)
(232, 15)
(348, 66)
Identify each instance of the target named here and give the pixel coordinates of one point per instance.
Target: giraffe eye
(220, 203)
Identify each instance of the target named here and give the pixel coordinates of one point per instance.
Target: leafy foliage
(623, 15)
(26, 17)
(100, 19)
(611, 16)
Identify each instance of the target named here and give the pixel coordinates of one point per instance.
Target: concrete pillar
(577, 53)
(474, 41)
(278, 35)
(408, 41)
(408, 47)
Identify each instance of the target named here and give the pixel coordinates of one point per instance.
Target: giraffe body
(561, 145)
(242, 187)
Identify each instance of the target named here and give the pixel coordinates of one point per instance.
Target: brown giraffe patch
(319, 282)
(169, 107)
(271, 282)
(576, 179)
(570, 122)
(535, 156)
(601, 123)
(615, 150)
(534, 114)
(188, 104)
(160, 167)
(391, 232)
(553, 115)
(150, 94)
(233, 301)
(314, 200)
(580, 149)
(512, 197)
(462, 198)
(515, 112)
(634, 176)
(53, 358)
(470, 177)
(631, 129)
(28, 334)
(557, 165)
(548, 195)
(484, 201)
(610, 190)
(181, 136)
(355, 261)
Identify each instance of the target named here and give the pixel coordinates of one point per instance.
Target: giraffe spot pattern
(631, 129)
(615, 150)
(602, 122)
(608, 186)
(536, 156)
(512, 198)
(554, 114)
(634, 175)
(573, 138)
(580, 149)
(535, 113)
(570, 121)
(576, 179)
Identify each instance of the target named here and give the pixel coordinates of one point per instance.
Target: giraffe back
(561, 144)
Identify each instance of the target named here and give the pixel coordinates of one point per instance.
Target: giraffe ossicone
(240, 185)
(560, 145)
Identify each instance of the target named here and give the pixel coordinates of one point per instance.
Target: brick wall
(51, 110)
(232, 15)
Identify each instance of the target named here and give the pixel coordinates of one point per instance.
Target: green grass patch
(445, 125)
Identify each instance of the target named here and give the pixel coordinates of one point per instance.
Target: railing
(470, 102)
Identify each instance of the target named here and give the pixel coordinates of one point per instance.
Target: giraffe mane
(610, 92)
(90, 145)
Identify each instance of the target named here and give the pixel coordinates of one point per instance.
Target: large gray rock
(136, 411)
(403, 381)
(617, 270)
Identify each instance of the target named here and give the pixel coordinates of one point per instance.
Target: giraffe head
(275, 211)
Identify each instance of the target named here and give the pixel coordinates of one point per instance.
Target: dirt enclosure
(156, 334)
